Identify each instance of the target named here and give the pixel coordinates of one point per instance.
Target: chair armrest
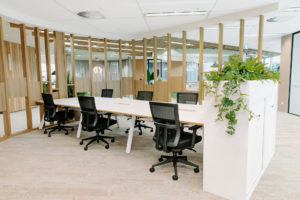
(195, 127)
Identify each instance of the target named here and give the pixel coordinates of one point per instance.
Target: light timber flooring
(33, 166)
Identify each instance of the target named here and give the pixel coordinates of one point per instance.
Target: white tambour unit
(234, 164)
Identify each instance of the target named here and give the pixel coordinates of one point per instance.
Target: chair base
(97, 139)
(58, 127)
(174, 159)
(139, 125)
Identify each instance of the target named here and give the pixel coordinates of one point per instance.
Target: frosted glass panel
(294, 101)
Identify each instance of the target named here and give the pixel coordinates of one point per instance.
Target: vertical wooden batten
(105, 61)
(60, 64)
(260, 37)
(26, 72)
(48, 61)
(183, 60)
(120, 67)
(4, 71)
(90, 63)
(145, 61)
(220, 46)
(169, 66)
(201, 88)
(38, 56)
(133, 64)
(73, 66)
(242, 33)
(155, 67)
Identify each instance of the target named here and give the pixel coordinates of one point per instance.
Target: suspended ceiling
(125, 19)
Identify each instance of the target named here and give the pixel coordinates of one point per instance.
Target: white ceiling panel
(110, 9)
(175, 5)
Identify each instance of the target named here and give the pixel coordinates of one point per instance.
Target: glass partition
(113, 71)
(162, 59)
(192, 60)
(98, 68)
(210, 52)
(82, 69)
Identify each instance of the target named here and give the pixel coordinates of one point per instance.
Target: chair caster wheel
(67, 133)
(49, 135)
(180, 153)
(185, 159)
(175, 178)
(160, 159)
(152, 169)
(72, 129)
(151, 130)
(45, 132)
(126, 131)
(107, 147)
(196, 170)
(85, 148)
(113, 140)
(81, 143)
(140, 133)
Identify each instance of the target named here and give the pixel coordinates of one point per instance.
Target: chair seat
(185, 140)
(60, 115)
(102, 124)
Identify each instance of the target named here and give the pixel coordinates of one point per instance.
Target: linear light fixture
(292, 9)
(180, 13)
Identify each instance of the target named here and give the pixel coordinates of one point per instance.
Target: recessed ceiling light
(90, 15)
(182, 13)
(292, 9)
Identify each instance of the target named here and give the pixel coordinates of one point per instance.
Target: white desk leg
(42, 123)
(79, 127)
(130, 134)
(118, 125)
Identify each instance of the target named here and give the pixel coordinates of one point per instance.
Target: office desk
(188, 114)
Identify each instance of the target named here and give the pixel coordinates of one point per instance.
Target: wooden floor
(33, 166)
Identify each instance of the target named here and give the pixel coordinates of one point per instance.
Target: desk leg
(130, 134)
(118, 125)
(42, 123)
(79, 127)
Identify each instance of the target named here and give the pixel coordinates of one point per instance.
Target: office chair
(187, 97)
(107, 93)
(169, 137)
(51, 115)
(92, 121)
(147, 96)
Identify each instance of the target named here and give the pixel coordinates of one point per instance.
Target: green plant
(230, 100)
(70, 87)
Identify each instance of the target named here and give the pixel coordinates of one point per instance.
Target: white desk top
(189, 114)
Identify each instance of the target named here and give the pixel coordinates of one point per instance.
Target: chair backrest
(49, 107)
(166, 121)
(145, 95)
(89, 113)
(107, 93)
(187, 97)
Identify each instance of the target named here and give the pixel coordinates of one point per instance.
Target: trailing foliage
(230, 100)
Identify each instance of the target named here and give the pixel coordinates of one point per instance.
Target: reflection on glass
(162, 59)
(192, 60)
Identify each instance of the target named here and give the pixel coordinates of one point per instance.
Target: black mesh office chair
(187, 97)
(169, 137)
(147, 96)
(107, 93)
(92, 121)
(52, 115)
